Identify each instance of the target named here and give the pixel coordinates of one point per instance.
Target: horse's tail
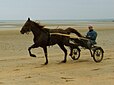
(72, 30)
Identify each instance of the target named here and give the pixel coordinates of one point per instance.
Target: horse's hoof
(45, 63)
(32, 55)
(70, 54)
(63, 61)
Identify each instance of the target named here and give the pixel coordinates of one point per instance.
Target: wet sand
(18, 68)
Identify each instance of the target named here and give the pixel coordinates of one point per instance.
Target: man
(92, 35)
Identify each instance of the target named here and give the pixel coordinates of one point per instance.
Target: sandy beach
(18, 68)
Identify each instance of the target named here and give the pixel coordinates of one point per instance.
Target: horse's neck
(36, 32)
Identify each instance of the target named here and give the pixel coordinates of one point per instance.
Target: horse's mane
(38, 25)
(66, 31)
(41, 27)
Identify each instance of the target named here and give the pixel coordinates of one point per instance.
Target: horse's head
(31, 26)
(27, 27)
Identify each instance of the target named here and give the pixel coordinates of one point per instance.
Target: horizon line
(63, 19)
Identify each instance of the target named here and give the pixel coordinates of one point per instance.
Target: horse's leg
(91, 53)
(71, 46)
(71, 50)
(65, 51)
(29, 49)
(45, 51)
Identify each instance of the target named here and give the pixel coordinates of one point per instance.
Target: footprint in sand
(16, 70)
(28, 77)
(107, 58)
(1, 83)
(95, 69)
(67, 79)
(111, 78)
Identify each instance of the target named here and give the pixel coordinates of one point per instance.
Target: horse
(44, 38)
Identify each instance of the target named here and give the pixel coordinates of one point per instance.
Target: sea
(17, 24)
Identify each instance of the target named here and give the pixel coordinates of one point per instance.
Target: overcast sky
(56, 9)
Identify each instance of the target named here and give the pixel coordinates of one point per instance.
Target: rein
(70, 36)
(65, 35)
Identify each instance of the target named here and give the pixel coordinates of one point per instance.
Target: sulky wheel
(98, 54)
(75, 54)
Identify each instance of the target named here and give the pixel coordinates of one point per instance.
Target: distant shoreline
(78, 24)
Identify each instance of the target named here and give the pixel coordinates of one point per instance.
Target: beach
(18, 68)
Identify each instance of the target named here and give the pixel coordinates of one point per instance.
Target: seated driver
(92, 35)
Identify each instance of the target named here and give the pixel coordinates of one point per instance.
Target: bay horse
(44, 38)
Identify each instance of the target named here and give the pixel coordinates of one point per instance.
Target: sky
(56, 9)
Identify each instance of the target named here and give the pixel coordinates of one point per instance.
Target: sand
(18, 68)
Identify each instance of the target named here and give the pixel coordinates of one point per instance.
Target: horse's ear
(28, 19)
